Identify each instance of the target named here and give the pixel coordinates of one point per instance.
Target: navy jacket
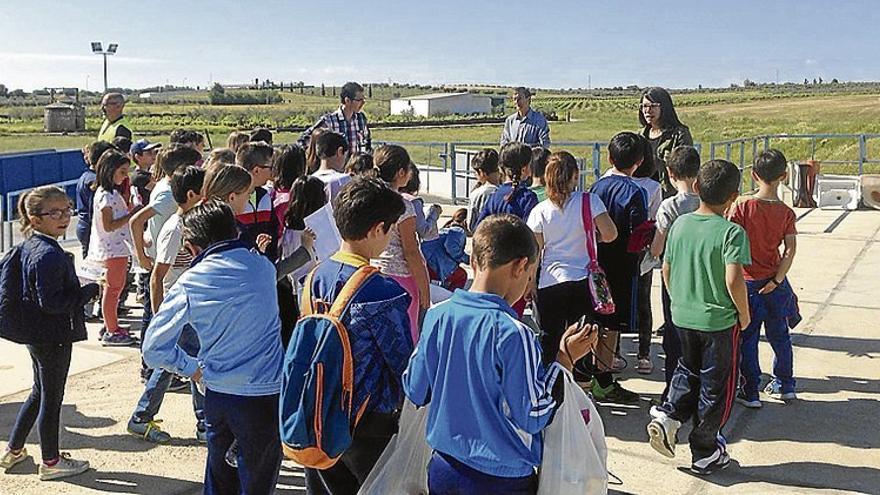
(42, 282)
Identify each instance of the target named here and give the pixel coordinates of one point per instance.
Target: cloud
(60, 57)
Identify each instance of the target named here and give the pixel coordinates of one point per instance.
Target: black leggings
(559, 306)
(51, 364)
(646, 318)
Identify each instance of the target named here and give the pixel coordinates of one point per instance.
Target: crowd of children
(231, 270)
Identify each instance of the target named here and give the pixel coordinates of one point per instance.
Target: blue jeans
(154, 391)
(253, 423)
(449, 476)
(775, 311)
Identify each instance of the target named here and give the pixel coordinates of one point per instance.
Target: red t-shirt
(766, 223)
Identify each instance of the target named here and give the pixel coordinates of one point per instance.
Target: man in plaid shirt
(348, 120)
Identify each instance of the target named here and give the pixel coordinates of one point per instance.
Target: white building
(442, 104)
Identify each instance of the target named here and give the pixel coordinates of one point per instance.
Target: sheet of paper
(327, 238)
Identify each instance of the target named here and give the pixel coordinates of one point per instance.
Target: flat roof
(436, 96)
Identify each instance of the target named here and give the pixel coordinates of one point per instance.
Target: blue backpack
(11, 295)
(317, 418)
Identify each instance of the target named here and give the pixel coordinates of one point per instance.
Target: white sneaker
(9, 459)
(63, 468)
(662, 431)
(788, 396)
(774, 389)
(644, 366)
(618, 364)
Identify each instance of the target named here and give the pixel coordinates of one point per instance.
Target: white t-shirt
(170, 250)
(333, 182)
(115, 244)
(565, 257)
(162, 202)
(655, 195)
(391, 261)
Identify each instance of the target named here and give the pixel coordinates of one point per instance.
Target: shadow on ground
(813, 475)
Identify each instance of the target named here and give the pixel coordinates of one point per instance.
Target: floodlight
(96, 47)
(112, 48)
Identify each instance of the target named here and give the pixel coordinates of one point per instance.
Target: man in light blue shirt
(526, 125)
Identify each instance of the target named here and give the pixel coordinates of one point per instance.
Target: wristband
(777, 283)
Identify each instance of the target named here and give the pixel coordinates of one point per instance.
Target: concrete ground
(828, 441)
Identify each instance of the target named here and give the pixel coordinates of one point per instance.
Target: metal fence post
(863, 153)
(597, 160)
(766, 143)
(451, 150)
(711, 151)
(812, 148)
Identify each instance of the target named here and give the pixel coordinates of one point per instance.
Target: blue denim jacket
(228, 296)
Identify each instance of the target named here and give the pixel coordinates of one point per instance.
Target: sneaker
(177, 384)
(149, 431)
(9, 459)
(644, 366)
(774, 389)
(63, 468)
(745, 401)
(117, 340)
(202, 436)
(618, 364)
(706, 468)
(614, 393)
(662, 432)
(232, 455)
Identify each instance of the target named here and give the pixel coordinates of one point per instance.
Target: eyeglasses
(648, 106)
(57, 214)
(359, 99)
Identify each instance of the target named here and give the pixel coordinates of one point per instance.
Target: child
(46, 298)
(85, 193)
(563, 293)
(365, 211)
(426, 223)
(258, 219)
(171, 261)
(402, 260)
(143, 154)
(478, 367)
(444, 254)
(485, 165)
(769, 223)
(288, 165)
(331, 148)
(239, 362)
(513, 196)
(110, 240)
(261, 134)
(219, 156)
(360, 163)
(312, 160)
(539, 165)
(627, 206)
(702, 269)
(682, 167)
(236, 140)
(459, 219)
(643, 177)
(230, 184)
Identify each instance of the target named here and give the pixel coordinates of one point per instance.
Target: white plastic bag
(575, 453)
(402, 469)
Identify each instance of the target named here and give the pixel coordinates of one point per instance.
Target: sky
(540, 44)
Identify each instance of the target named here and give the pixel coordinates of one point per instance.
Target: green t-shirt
(540, 192)
(698, 249)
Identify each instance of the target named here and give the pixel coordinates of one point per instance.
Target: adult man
(115, 123)
(348, 120)
(526, 125)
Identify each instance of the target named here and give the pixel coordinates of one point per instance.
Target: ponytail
(27, 229)
(32, 203)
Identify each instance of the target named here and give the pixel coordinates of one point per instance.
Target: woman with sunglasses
(663, 129)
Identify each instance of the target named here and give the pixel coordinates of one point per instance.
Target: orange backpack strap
(307, 301)
(351, 288)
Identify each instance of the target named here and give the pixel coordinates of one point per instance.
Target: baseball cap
(142, 145)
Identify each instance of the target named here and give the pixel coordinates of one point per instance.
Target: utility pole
(97, 49)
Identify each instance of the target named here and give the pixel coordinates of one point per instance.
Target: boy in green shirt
(702, 269)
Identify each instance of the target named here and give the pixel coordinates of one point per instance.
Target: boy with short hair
(769, 223)
(258, 219)
(480, 369)
(223, 298)
(378, 328)
(171, 261)
(682, 166)
(539, 165)
(626, 203)
(331, 148)
(705, 255)
(485, 165)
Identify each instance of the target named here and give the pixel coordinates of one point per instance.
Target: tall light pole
(98, 50)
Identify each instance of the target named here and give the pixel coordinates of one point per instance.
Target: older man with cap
(115, 123)
(526, 125)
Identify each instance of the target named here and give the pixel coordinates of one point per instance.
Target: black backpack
(11, 296)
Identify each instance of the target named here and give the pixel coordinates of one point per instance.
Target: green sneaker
(613, 393)
(149, 431)
(9, 459)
